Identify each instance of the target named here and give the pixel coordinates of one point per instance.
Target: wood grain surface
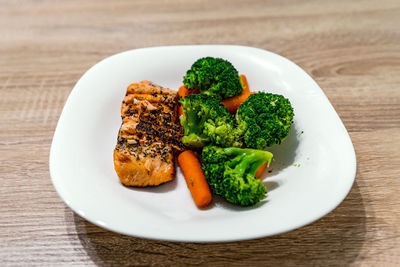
(351, 48)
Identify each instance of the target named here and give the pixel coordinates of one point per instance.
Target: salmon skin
(149, 136)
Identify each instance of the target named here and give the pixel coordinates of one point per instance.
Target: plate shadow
(338, 237)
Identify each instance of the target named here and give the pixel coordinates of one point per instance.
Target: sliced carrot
(233, 103)
(260, 170)
(195, 179)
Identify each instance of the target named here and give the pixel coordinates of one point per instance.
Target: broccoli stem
(191, 122)
(248, 160)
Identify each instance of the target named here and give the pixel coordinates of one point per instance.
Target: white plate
(81, 162)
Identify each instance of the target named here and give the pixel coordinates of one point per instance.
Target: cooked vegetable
(180, 110)
(260, 170)
(264, 119)
(195, 180)
(213, 76)
(182, 92)
(230, 173)
(233, 103)
(206, 120)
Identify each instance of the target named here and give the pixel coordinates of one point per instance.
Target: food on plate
(182, 92)
(213, 113)
(260, 170)
(233, 103)
(213, 76)
(264, 119)
(149, 134)
(195, 180)
(205, 120)
(230, 172)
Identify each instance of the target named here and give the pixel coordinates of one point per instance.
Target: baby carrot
(244, 81)
(233, 103)
(183, 91)
(195, 179)
(260, 170)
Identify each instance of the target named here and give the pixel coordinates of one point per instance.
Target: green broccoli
(205, 120)
(215, 77)
(230, 173)
(264, 119)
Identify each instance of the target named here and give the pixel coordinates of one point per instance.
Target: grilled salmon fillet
(149, 135)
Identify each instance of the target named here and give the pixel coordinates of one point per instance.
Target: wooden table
(351, 48)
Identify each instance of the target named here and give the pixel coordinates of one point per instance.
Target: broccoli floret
(215, 77)
(230, 173)
(264, 119)
(205, 120)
